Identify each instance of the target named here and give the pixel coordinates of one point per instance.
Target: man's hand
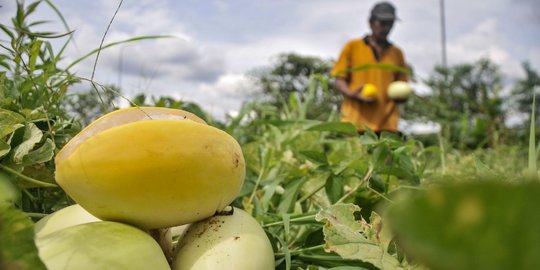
(399, 101)
(358, 95)
(354, 94)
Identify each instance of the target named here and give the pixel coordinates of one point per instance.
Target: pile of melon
(138, 172)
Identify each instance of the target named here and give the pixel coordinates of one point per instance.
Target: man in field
(370, 64)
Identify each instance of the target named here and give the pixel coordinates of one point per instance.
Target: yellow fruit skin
(369, 90)
(155, 173)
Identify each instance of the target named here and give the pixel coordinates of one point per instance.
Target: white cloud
(227, 94)
(484, 41)
(534, 58)
(180, 57)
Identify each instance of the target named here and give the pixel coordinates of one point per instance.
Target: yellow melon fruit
(151, 167)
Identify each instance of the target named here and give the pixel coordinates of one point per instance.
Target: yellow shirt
(382, 114)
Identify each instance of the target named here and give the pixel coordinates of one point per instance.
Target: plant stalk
(299, 251)
(26, 178)
(352, 191)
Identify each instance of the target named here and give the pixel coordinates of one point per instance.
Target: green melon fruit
(101, 245)
(63, 218)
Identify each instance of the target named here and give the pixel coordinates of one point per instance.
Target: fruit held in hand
(227, 242)
(369, 90)
(101, 245)
(151, 167)
(399, 90)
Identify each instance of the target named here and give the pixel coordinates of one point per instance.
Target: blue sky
(217, 42)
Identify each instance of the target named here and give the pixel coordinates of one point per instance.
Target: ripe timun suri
(369, 90)
(144, 169)
(399, 90)
(151, 167)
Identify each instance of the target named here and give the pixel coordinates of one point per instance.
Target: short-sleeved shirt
(382, 114)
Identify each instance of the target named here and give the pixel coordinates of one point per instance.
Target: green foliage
(298, 166)
(367, 241)
(170, 102)
(525, 89)
(37, 115)
(18, 250)
(33, 123)
(291, 76)
(89, 105)
(466, 101)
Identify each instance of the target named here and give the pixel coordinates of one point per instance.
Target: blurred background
(217, 46)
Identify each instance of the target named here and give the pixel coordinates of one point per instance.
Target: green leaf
(48, 34)
(17, 250)
(532, 168)
(368, 138)
(40, 155)
(6, 129)
(339, 127)
(32, 135)
(9, 122)
(354, 239)
(286, 250)
(473, 225)
(4, 148)
(8, 193)
(31, 8)
(289, 197)
(38, 23)
(334, 188)
(315, 156)
(34, 54)
(6, 30)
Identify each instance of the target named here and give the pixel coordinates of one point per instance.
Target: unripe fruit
(151, 167)
(63, 218)
(233, 242)
(101, 245)
(399, 90)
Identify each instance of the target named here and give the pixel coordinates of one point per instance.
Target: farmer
(374, 62)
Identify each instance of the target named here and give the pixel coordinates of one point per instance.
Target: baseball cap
(383, 11)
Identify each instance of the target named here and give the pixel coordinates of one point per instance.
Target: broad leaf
(4, 148)
(17, 250)
(8, 191)
(40, 155)
(354, 239)
(315, 156)
(32, 136)
(9, 122)
(334, 188)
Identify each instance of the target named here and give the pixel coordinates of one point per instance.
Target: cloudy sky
(216, 42)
